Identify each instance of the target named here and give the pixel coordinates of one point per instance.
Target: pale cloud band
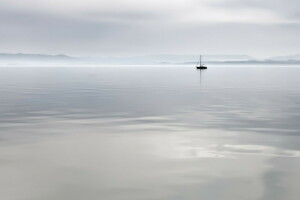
(89, 27)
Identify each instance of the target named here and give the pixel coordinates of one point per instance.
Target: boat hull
(201, 67)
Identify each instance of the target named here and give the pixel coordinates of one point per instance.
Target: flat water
(143, 133)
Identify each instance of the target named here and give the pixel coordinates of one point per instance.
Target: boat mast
(200, 61)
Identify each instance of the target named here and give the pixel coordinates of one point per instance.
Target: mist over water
(139, 133)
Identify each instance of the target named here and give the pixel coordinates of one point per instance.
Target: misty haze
(149, 100)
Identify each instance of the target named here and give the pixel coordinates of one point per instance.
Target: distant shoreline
(41, 59)
(289, 62)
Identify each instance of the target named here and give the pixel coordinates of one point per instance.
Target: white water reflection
(149, 133)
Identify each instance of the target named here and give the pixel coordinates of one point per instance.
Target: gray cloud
(104, 28)
(283, 9)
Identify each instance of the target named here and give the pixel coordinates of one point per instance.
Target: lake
(150, 133)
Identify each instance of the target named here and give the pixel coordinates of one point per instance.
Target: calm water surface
(150, 133)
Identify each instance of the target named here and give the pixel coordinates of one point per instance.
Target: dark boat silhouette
(200, 65)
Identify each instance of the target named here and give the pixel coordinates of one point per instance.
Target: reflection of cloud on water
(260, 150)
(231, 151)
(274, 190)
(281, 180)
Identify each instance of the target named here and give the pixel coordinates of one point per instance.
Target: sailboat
(200, 66)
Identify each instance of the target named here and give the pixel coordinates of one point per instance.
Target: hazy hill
(41, 59)
(149, 59)
(168, 59)
(34, 58)
(291, 57)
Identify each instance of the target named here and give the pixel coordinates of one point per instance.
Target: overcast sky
(135, 27)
